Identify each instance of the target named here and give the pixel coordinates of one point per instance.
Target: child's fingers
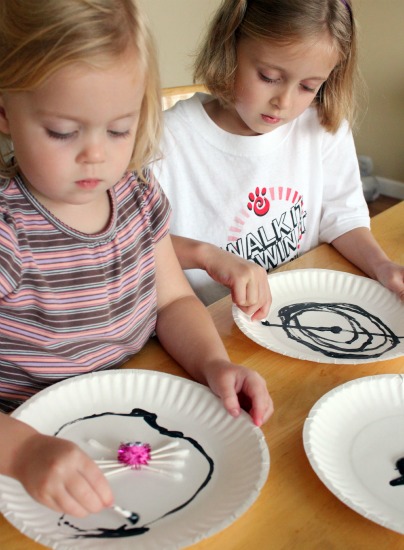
(256, 312)
(391, 275)
(261, 413)
(261, 403)
(65, 503)
(61, 476)
(99, 483)
(88, 497)
(253, 302)
(262, 312)
(82, 493)
(223, 384)
(231, 402)
(239, 385)
(397, 285)
(244, 293)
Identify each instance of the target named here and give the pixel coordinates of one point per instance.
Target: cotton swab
(131, 516)
(175, 475)
(137, 455)
(97, 445)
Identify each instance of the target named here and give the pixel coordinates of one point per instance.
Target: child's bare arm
(361, 248)
(246, 280)
(186, 330)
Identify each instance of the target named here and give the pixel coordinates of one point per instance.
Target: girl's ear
(4, 125)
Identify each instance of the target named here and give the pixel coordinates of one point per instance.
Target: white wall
(178, 26)
(381, 134)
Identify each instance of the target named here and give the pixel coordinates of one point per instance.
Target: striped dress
(71, 303)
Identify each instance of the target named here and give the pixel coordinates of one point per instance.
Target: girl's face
(74, 136)
(274, 84)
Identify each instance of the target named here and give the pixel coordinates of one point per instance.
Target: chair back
(170, 96)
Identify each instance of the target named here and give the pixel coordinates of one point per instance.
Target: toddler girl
(87, 268)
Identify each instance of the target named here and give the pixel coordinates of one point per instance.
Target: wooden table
(294, 510)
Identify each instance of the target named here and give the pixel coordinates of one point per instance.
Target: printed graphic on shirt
(270, 228)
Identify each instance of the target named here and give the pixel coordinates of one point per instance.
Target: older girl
(264, 168)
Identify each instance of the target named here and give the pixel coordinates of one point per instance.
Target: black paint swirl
(362, 335)
(125, 530)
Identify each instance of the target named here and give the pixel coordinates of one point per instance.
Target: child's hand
(239, 387)
(58, 474)
(247, 281)
(391, 276)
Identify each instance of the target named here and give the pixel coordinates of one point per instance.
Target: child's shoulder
(309, 123)
(309, 119)
(6, 186)
(141, 190)
(187, 116)
(9, 195)
(189, 105)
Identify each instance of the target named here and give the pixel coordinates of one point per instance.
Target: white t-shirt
(267, 198)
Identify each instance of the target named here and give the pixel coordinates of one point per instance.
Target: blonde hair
(284, 22)
(39, 37)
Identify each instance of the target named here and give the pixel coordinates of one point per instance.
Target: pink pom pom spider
(134, 454)
(137, 455)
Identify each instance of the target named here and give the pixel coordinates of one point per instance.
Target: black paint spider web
(361, 342)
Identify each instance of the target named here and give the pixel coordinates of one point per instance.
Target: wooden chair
(170, 96)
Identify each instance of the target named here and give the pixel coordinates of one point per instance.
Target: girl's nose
(282, 97)
(92, 152)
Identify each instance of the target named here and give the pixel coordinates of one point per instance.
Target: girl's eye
(267, 79)
(116, 134)
(308, 89)
(59, 135)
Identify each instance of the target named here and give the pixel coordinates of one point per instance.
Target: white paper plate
(353, 437)
(227, 465)
(329, 317)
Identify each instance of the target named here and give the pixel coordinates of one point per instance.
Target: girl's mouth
(88, 183)
(270, 119)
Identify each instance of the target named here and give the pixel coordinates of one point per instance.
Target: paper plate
(225, 467)
(329, 317)
(354, 438)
